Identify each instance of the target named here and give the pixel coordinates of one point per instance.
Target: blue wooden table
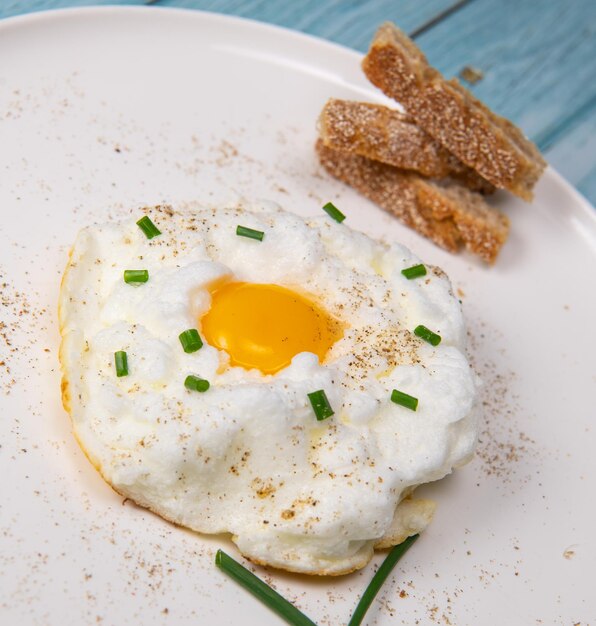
(533, 61)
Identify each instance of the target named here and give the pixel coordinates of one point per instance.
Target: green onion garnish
(190, 340)
(121, 362)
(334, 212)
(414, 272)
(148, 227)
(379, 578)
(133, 277)
(194, 383)
(424, 333)
(261, 590)
(243, 231)
(320, 404)
(403, 399)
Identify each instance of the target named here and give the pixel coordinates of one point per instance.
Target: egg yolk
(265, 326)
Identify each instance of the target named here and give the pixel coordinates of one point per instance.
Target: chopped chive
(243, 231)
(194, 383)
(148, 227)
(379, 578)
(121, 362)
(133, 277)
(320, 404)
(190, 340)
(334, 212)
(261, 590)
(403, 399)
(414, 272)
(425, 333)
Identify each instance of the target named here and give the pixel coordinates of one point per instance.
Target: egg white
(248, 456)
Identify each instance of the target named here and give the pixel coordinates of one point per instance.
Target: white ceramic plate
(103, 110)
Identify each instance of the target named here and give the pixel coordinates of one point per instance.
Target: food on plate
(383, 134)
(444, 211)
(427, 165)
(288, 381)
(486, 142)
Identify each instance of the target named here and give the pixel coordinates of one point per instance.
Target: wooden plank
(538, 58)
(350, 23)
(587, 186)
(573, 155)
(8, 8)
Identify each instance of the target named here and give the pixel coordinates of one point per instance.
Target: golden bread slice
(383, 134)
(486, 142)
(448, 214)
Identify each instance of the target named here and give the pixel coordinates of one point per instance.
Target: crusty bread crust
(446, 213)
(488, 143)
(383, 134)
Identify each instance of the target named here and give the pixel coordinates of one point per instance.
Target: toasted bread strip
(490, 144)
(382, 134)
(448, 214)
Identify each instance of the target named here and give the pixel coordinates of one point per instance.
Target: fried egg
(307, 313)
